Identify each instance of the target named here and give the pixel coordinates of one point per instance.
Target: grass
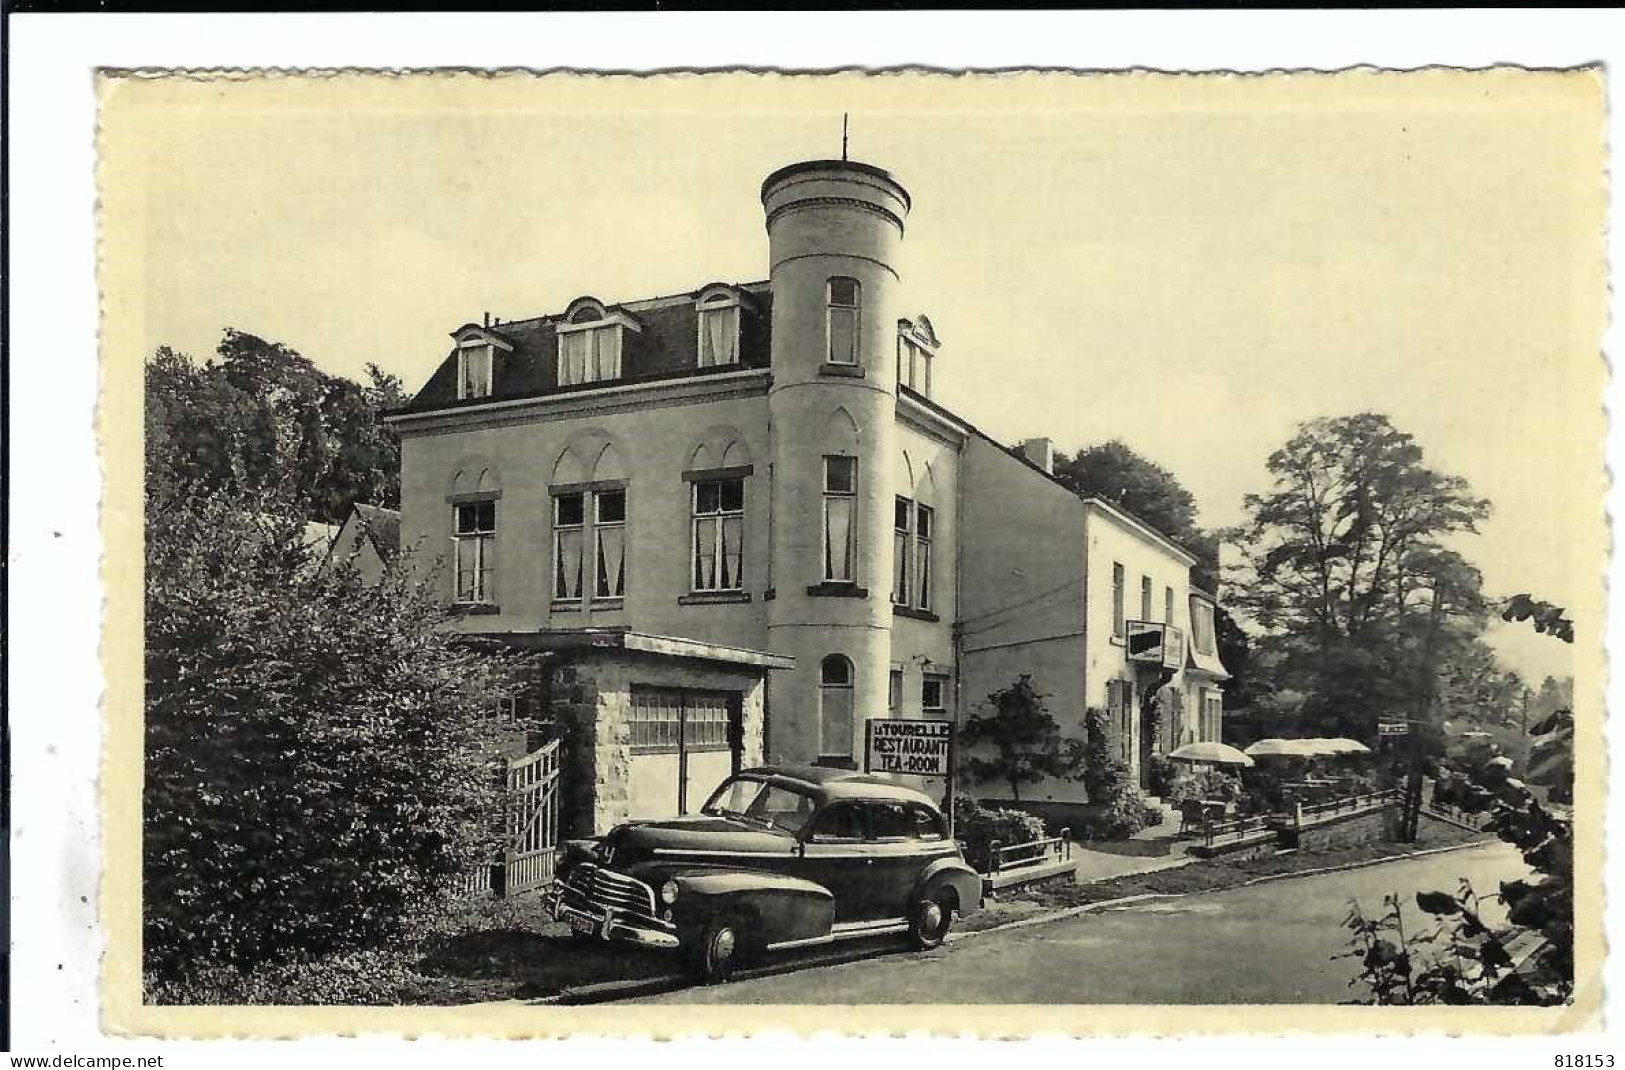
(511, 949)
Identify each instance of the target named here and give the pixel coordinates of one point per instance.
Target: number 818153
(1583, 1062)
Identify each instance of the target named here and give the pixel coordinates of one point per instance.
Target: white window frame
(718, 553)
(851, 527)
(608, 320)
(599, 527)
(480, 543)
(902, 583)
(855, 310)
(1204, 626)
(923, 563)
(941, 680)
(915, 353)
(709, 304)
(466, 352)
(559, 529)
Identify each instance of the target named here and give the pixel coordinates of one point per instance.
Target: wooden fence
(533, 820)
(530, 827)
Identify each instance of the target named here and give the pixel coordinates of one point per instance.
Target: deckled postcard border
(123, 94)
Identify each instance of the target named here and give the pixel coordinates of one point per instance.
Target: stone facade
(591, 698)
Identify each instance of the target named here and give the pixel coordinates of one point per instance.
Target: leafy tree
(260, 415)
(1025, 741)
(1476, 689)
(1113, 472)
(1344, 566)
(1474, 964)
(1236, 655)
(315, 752)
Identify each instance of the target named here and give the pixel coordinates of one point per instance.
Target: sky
(1194, 266)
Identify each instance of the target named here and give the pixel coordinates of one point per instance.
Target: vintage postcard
(734, 551)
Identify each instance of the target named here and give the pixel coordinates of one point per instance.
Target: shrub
(1023, 742)
(1116, 810)
(1208, 784)
(1164, 775)
(316, 764)
(977, 827)
(1120, 815)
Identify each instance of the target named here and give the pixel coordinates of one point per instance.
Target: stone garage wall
(591, 698)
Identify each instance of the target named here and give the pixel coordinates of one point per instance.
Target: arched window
(719, 330)
(843, 298)
(473, 369)
(475, 489)
(590, 342)
(835, 704)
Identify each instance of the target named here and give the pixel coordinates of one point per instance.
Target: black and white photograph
(662, 554)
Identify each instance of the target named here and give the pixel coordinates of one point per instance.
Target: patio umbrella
(1345, 745)
(1278, 748)
(1217, 753)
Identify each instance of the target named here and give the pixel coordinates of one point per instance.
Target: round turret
(835, 229)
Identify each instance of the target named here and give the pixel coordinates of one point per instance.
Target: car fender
(955, 874)
(779, 907)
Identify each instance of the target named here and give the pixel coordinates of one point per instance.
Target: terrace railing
(1234, 829)
(1309, 813)
(1003, 859)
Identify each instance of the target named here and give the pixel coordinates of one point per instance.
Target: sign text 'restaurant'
(919, 748)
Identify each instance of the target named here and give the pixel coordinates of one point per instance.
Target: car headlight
(668, 893)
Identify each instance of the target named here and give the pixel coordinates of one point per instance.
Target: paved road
(1270, 943)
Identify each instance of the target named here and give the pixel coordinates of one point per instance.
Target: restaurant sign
(915, 747)
(1393, 728)
(1156, 644)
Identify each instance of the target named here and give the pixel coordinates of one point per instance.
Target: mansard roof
(666, 347)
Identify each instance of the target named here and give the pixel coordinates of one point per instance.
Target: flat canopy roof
(566, 640)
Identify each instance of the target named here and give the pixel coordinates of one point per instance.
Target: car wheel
(718, 950)
(931, 919)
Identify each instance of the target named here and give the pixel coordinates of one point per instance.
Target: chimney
(1040, 451)
(488, 319)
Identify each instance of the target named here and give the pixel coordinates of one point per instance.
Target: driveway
(1270, 943)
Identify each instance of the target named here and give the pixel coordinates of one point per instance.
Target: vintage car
(779, 857)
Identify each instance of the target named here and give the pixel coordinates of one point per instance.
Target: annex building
(734, 524)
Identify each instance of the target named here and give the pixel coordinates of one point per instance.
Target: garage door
(684, 743)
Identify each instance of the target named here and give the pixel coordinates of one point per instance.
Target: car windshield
(771, 805)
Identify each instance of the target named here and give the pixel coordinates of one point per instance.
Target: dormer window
(719, 329)
(473, 370)
(843, 306)
(916, 349)
(590, 341)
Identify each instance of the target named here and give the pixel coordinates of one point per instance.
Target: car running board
(848, 931)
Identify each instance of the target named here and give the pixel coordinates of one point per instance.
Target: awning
(1207, 663)
(587, 640)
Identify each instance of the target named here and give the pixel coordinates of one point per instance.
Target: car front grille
(592, 887)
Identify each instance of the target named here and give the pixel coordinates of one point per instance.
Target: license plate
(583, 925)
